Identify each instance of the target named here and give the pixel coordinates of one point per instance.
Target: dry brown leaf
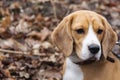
(40, 35)
(46, 45)
(24, 74)
(36, 48)
(38, 1)
(49, 74)
(45, 33)
(5, 23)
(38, 18)
(27, 17)
(11, 43)
(15, 5)
(30, 42)
(34, 45)
(7, 73)
(22, 27)
(1, 56)
(4, 12)
(34, 34)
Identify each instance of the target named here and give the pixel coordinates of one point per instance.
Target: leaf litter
(26, 50)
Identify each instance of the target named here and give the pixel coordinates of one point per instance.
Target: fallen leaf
(46, 45)
(5, 23)
(24, 74)
(40, 35)
(13, 44)
(22, 27)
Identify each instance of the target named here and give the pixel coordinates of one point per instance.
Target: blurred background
(26, 50)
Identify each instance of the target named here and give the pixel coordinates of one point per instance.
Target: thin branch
(20, 52)
(54, 9)
(10, 51)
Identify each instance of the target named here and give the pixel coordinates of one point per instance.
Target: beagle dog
(86, 39)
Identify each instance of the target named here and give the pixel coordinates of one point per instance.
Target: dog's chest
(72, 71)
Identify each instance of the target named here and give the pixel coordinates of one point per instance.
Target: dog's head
(87, 33)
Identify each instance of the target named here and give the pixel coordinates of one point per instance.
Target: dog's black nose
(93, 48)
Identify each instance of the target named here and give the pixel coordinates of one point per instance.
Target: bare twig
(54, 9)
(20, 52)
(10, 51)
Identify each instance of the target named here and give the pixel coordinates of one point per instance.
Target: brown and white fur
(76, 34)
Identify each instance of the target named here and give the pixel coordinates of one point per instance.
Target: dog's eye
(80, 31)
(99, 31)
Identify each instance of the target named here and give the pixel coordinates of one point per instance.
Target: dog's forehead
(84, 19)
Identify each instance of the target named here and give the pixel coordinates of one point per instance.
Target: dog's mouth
(92, 59)
(88, 61)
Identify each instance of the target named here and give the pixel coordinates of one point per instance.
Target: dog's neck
(75, 71)
(72, 71)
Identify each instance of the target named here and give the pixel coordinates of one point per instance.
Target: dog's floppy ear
(110, 38)
(62, 38)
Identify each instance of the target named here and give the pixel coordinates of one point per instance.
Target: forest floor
(26, 50)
